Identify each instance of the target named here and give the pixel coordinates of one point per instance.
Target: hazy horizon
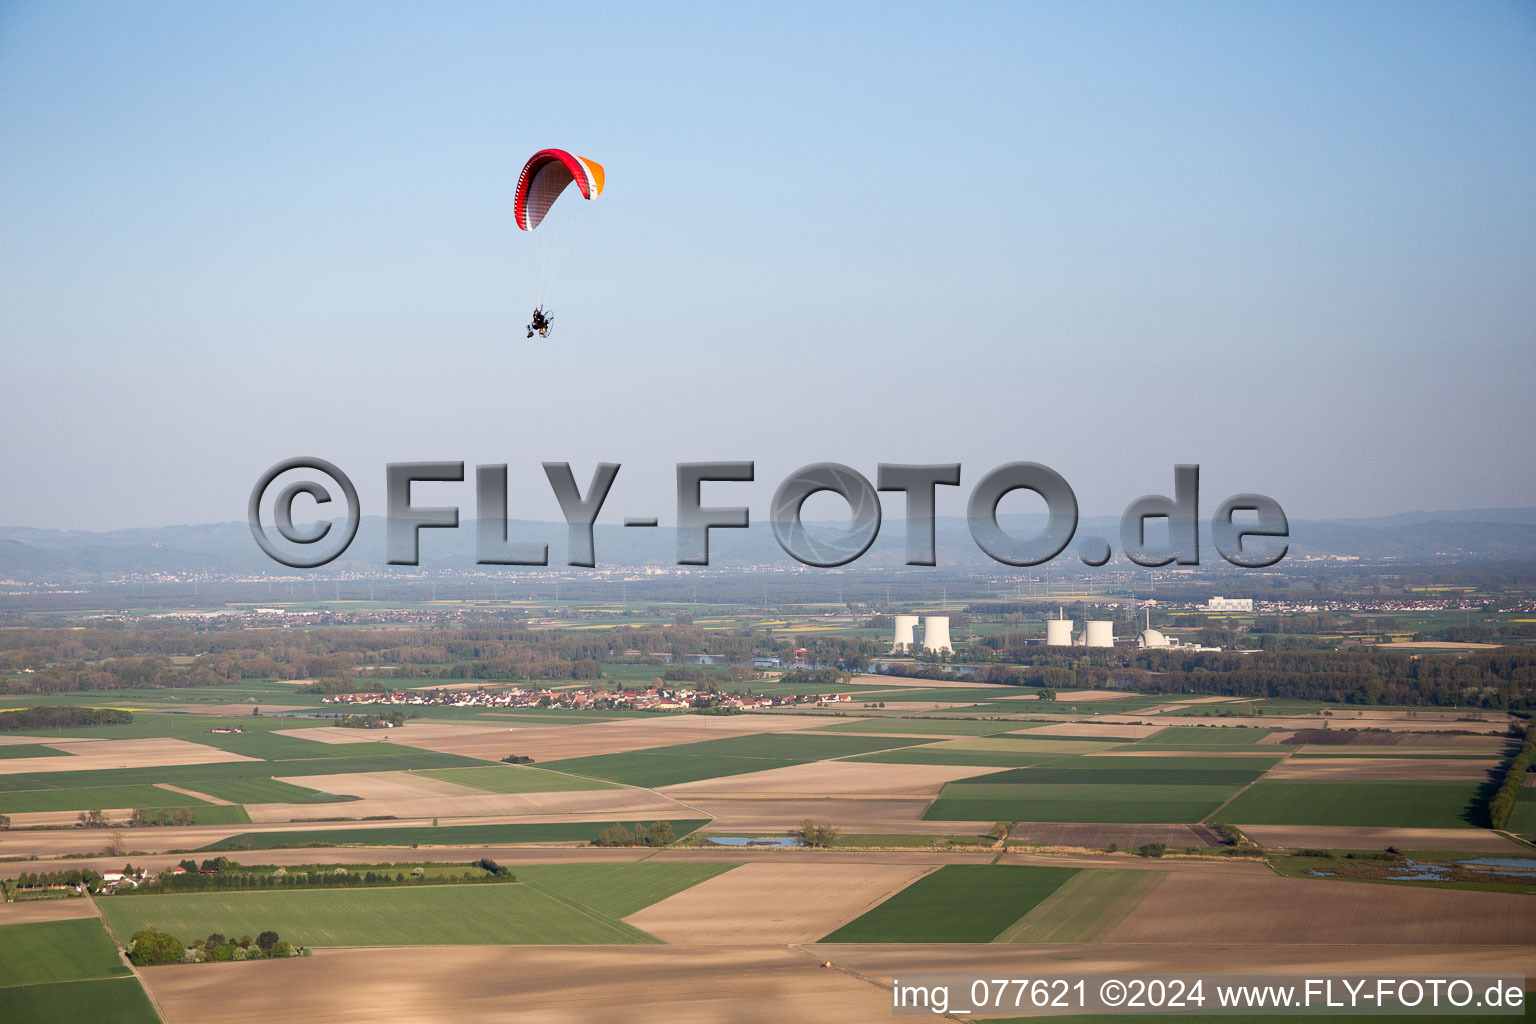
(1293, 245)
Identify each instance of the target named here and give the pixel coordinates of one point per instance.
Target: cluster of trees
(383, 720)
(157, 655)
(151, 816)
(517, 759)
(659, 834)
(60, 717)
(811, 834)
(1508, 794)
(47, 879)
(225, 875)
(1503, 679)
(150, 946)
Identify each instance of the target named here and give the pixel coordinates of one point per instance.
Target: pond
(1517, 863)
(753, 841)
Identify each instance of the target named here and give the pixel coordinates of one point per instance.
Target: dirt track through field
(767, 904)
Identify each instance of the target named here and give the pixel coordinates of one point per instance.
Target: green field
(713, 759)
(926, 726)
(954, 755)
(265, 791)
(1523, 820)
(1137, 771)
(32, 954)
(87, 797)
(106, 1001)
(1184, 737)
(1150, 804)
(232, 781)
(956, 903)
(446, 835)
(1371, 804)
(13, 750)
(618, 890)
(1085, 908)
(434, 915)
(219, 814)
(514, 779)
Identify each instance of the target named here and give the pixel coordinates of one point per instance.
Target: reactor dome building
(1150, 637)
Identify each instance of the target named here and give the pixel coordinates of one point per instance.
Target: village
(587, 699)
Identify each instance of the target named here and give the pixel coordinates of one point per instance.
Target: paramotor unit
(539, 208)
(541, 323)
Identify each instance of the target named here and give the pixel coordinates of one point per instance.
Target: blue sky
(1293, 243)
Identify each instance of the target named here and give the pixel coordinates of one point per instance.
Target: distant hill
(1469, 536)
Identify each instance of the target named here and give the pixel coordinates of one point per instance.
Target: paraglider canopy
(545, 176)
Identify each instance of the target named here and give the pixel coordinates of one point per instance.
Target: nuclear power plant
(1099, 633)
(936, 634)
(1058, 631)
(1151, 637)
(1096, 632)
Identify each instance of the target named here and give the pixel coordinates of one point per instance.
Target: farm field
(444, 835)
(57, 951)
(1262, 908)
(100, 1001)
(1183, 737)
(1384, 804)
(435, 915)
(9, 751)
(1096, 795)
(1085, 908)
(620, 890)
(84, 798)
(747, 905)
(955, 756)
(513, 779)
(957, 903)
(926, 726)
(716, 758)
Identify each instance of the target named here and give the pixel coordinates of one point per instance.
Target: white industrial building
(906, 634)
(1058, 631)
(1229, 604)
(936, 634)
(1150, 637)
(1099, 633)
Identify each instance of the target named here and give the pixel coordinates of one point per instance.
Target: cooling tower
(906, 633)
(936, 633)
(1058, 631)
(1100, 633)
